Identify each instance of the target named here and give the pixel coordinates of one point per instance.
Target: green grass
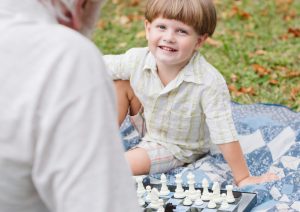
(249, 32)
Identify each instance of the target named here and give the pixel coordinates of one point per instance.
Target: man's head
(80, 15)
(200, 14)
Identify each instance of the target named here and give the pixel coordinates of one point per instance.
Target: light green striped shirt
(185, 115)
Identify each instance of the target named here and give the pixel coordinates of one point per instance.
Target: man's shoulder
(61, 38)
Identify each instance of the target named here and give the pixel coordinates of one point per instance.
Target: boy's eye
(181, 31)
(161, 27)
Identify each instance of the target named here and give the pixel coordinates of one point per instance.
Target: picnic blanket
(270, 138)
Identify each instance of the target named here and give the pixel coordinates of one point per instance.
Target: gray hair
(55, 7)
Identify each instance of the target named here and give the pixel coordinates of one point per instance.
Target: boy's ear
(201, 40)
(147, 28)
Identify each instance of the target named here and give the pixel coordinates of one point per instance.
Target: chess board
(244, 202)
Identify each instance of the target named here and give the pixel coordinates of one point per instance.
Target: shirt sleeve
(122, 66)
(217, 109)
(79, 162)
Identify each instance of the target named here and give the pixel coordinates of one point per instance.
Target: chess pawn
(179, 191)
(164, 191)
(211, 204)
(198, 200)
(148, 193)
(229, 196)
(161, 206)
(187, 201)
(140, 187)
(224, 204)
(154, 198)
(205, 193)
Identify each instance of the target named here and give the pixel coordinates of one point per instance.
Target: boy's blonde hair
(200, 14)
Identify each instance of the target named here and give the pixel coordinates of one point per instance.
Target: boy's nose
(169, 37)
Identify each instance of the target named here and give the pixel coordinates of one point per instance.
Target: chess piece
(141, 201)
(164, 191)
(229, 196)
(211, 204)
(154, 198)
(179, 191)
(187, 201)
(140, 187)
(205, 193)
(148, 193)
(161, 206)
(224, 204)
(216, 192)
(198, 200)
(191, 182)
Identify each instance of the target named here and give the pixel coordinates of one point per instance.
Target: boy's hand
(267, 177)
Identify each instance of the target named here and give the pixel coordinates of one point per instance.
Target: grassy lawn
(256, 45)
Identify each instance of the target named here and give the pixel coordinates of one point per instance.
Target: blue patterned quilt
(270, 138)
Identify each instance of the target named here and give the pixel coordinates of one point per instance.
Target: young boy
(183, 99)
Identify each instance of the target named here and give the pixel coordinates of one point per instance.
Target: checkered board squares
(244, 202)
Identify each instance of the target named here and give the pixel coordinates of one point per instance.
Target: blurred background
(256, 45)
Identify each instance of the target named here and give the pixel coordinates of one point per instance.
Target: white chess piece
(198, 200)
(154, 198)
(179, 191)
(216, 192)
(187, 201)
(205, 194)
(161, 206)
(164, 191)
(191, 182)
(211, 204)
(140, 187)
(148, 193)
(141, 201)
(229, 196)
(224, 204)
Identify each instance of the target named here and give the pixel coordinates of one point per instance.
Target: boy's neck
(167, 73)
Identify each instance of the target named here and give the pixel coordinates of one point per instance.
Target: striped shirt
(186, 114)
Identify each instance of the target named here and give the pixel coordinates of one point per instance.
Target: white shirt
(60, 149)
(185, 115)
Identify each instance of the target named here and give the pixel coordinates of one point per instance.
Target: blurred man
(59, 141)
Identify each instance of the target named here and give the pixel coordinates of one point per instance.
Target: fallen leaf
(290, 15)
(284, 37)
(292, 74)
(294, 31)
(260, 70)
(294, 93)
(235, 10)
(273, 82)
(135, 2)
(247, 90)
(257, 52)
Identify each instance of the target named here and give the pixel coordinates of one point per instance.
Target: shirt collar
(190, 73)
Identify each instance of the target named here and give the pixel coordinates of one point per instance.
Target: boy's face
(172, 42)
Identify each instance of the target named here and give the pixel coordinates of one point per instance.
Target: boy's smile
(172, 42)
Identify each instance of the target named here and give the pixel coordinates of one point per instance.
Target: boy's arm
(233, 154)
